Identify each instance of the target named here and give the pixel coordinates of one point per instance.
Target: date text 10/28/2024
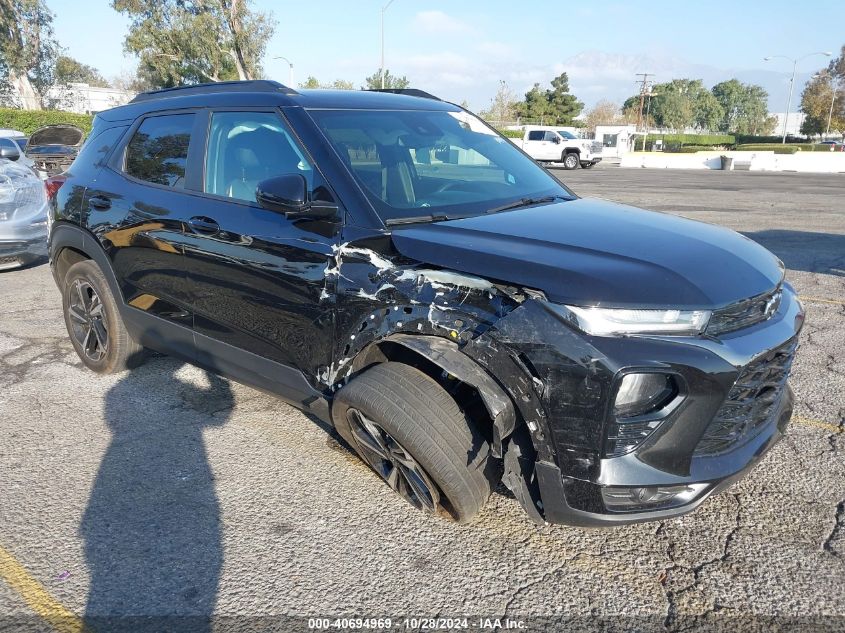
(417, 624)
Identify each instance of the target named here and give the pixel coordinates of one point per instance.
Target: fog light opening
(641, 393)
(618, 499)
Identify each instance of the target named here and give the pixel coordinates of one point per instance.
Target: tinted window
(536, 135)
(158, 152)
(413, 163)
(244, 148)
(550, 136)
(8, 144)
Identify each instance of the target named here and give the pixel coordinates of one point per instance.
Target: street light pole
(792, 83)
(381, 72)
(290, 69)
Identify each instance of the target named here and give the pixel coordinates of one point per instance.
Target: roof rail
(257, 85)
(411, 92)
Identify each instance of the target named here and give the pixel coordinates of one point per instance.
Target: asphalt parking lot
(167, 491)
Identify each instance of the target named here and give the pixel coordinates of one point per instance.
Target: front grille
(597, 148)
(751, 402)
(744, 313)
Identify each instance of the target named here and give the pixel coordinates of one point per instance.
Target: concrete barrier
(820, 162)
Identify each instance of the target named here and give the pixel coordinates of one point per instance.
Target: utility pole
(383, 9)
(644, 90)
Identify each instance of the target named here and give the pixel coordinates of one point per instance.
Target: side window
(245, 148)
(158, 151)
(536, 135)
(550, 136)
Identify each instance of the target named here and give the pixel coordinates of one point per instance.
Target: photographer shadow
(151, 530)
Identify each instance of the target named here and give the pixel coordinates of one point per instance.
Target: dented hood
(593, 252)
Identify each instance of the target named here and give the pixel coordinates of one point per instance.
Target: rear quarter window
(158, 151)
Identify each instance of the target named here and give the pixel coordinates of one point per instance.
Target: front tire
(409, 430)
(571, 161)
(93, 321)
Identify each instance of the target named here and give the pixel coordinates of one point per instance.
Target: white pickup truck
(553, 145)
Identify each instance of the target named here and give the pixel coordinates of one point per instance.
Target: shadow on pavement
(152, 532)
(801, 250)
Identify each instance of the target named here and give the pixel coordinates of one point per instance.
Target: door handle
(204, 225)
(99, 202)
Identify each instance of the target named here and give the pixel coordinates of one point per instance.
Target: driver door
(258, 277)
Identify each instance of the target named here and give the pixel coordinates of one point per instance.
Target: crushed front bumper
(564, 498)
(575, 378)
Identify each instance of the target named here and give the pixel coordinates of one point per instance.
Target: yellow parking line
(819, 424)
(37, 597)
(819, 300)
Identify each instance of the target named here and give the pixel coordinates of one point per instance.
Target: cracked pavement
(167, 491)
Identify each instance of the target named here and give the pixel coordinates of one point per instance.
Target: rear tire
(408, 429)
(94, 323)
(571, 160)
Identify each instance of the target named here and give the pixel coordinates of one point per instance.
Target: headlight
(610, 321)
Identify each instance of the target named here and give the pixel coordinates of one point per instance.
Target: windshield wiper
(526, 202)
(416, 219)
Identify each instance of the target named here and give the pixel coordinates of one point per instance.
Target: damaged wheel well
(485, 404)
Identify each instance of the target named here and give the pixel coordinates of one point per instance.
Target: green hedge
(27, 121)
(692, 149)
(511, 133)
(778, 148)
(691, 139)
(744, 139)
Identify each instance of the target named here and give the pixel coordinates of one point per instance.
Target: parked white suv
(547, 144)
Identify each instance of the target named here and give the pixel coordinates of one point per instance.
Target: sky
(460, 49)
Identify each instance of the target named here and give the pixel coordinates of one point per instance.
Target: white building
(793, 124)
(84, 99)
(617, 140)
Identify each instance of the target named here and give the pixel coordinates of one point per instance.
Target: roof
(271, 93)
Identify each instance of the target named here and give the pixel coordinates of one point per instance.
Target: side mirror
(557, 140)
(288, 194)
(9, 152)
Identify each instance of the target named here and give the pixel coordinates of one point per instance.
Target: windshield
(567, 135)
(443, 164)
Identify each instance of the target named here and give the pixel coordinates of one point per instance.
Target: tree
(502, 105)
(190, 41)
(131, 81)
(563, 106)
(337, 84)
(680, 104)
(69, 71)
(744, 108)
(373, 82)
(603, 113)
(823, 89)
(28, 50)
(535, 106)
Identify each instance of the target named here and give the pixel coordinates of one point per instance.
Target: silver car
(23, 215)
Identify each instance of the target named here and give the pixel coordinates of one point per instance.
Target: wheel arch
(69, 244)
(443, 360)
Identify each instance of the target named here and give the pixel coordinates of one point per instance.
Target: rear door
(138, 210)
(259, 282)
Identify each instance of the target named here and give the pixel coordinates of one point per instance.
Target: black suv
(393, 266)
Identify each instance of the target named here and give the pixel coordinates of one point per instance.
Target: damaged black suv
(393, 266)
